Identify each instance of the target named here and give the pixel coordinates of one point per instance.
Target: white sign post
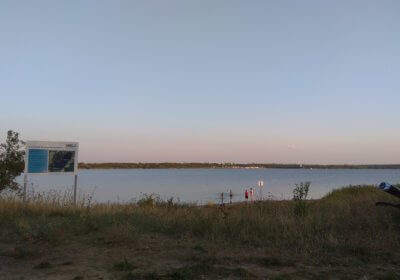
(45, 158)
(261, 184)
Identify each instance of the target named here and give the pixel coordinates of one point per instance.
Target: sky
(311, 81)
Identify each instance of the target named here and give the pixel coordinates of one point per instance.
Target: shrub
(300, 194)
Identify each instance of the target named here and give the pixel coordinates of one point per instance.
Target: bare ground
(160, 257)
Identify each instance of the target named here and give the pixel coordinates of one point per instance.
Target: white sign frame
(52, 146)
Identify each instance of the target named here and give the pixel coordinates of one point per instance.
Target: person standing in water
(246, 195)
(230, 196)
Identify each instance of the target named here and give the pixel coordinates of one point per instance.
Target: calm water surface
(202, 185)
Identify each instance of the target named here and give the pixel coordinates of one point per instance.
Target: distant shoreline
(197, 165)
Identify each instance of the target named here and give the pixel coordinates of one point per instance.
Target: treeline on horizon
(168, 165)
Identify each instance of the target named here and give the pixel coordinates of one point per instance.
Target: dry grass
(342, 229)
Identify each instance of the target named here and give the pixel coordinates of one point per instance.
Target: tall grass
(344, 222)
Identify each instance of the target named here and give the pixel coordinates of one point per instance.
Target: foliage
(266, 223)
(170, 165)
(355, 191)
(153, 199)
(149, 200)
(300, 194)
(11, 161)
(343, 231)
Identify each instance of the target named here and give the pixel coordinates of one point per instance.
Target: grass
(124, 265)
(43, 265)
(344, 229)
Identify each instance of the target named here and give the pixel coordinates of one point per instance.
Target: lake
(203, 185)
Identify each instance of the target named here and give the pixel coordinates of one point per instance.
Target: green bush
(300, 194)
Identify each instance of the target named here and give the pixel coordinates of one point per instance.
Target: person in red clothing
(246, 195)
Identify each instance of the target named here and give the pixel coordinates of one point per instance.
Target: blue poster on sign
(38, 161)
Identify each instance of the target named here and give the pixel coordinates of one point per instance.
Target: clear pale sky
(206, 80)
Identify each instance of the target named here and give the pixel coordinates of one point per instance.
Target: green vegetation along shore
(166, 165)
(341, 236)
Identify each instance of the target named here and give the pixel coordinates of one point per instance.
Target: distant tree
(11, 162)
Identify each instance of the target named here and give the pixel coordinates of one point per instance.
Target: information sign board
(43, 157)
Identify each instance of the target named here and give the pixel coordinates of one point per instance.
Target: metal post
(261, 184)
(75, 186)
(25, 188)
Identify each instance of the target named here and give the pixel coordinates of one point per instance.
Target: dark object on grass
(391, 190)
